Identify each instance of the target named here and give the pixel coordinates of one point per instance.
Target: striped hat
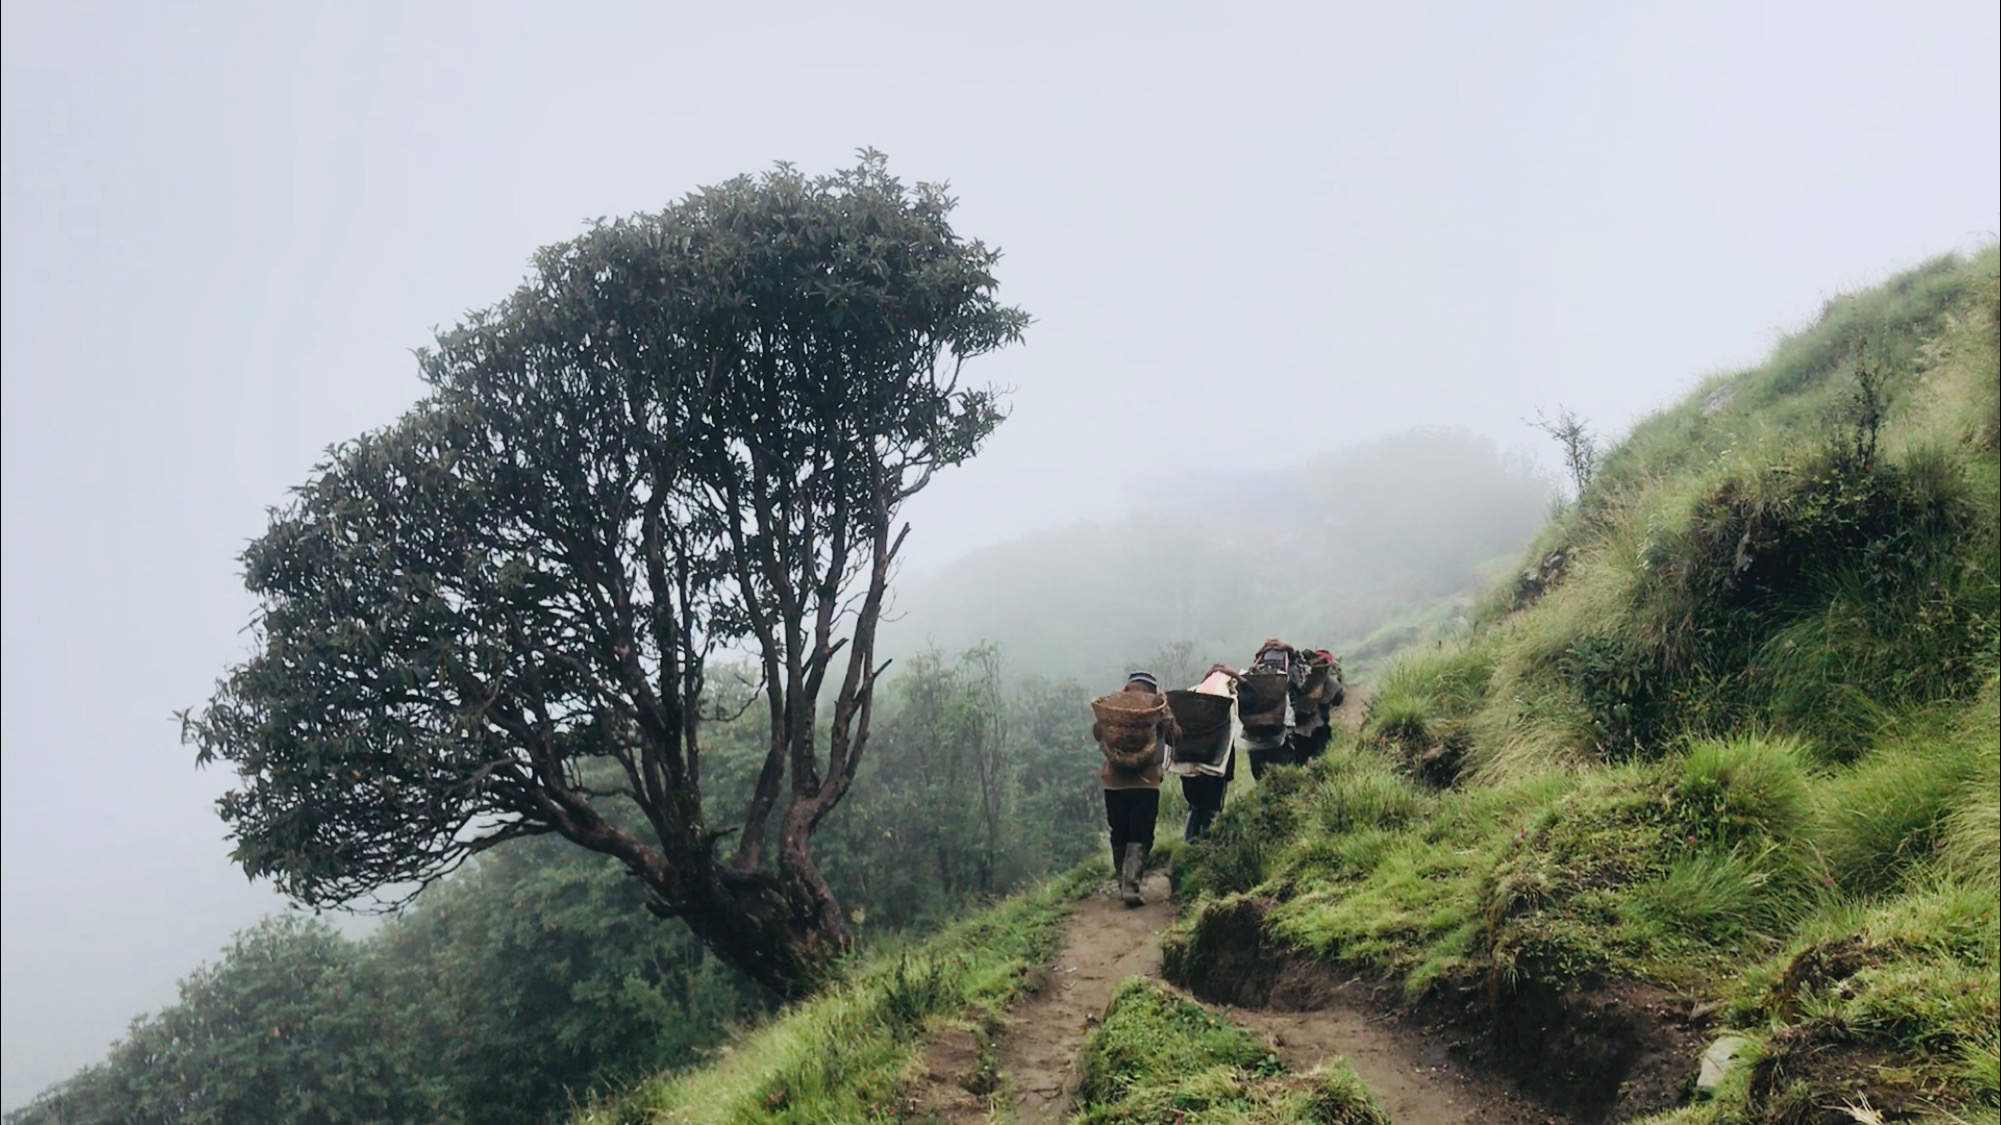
(1143, 677)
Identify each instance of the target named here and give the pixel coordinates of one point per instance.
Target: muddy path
(1409, 1070)
(1104, 942)
(1032, 1061)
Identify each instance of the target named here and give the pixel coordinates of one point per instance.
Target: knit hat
(1142, 677)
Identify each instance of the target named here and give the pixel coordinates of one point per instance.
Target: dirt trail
(1104, 942)
(1349, 714)
(1411, 1074)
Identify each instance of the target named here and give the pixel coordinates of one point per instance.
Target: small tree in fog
(1579, 444)
(492, 620)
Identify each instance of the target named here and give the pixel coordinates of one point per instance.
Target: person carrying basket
(1204, 755)
(1133, 729)
(1264, 704)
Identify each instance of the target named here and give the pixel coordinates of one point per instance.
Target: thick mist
(1328, 553)
(1250, 235)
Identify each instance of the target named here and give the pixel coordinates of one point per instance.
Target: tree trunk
(757, 923)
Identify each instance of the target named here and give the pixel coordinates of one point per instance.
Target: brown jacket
(1138, 769)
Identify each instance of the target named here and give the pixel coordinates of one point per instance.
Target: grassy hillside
(1729, 738)
(1721, 754)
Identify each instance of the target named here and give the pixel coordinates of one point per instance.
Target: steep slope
(1721, 758)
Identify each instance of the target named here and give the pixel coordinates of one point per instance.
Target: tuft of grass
(1160, 1057)
(1718, 897)
(1969, 844)
(847, 1054)
(1891, 810)
(1743, 789)
(1909, 989)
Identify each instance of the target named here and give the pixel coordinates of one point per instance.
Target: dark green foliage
(1621, 682)
(542, 979)
(513, 991)
(493, 619)
(284, 1028)
(1811, 592)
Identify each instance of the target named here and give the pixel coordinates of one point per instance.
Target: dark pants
(1131, 813)
(1307, 747)
(1263, 760)
(1205, 801)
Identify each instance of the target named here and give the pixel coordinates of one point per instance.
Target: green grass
(848, 1054)
(1741, 743)
(1734, 790)
(1893, 809)
(1159, 1057)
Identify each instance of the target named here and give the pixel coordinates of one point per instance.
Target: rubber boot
(1130, 871)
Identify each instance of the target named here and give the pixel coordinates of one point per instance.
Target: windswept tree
(688, 430)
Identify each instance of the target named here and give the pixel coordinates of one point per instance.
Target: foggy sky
(225, 225)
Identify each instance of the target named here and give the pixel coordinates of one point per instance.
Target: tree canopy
(494, 619)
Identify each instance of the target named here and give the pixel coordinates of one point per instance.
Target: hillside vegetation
(1725, 748)
(848, 1054)
(1719, 759)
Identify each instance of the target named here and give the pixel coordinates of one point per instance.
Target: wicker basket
(1127, 720)
(1309, 694)
(1261, 698)
(1205, 726)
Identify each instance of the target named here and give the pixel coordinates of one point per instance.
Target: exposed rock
(1537, 579)
(1716, 1063)
(1718, 400)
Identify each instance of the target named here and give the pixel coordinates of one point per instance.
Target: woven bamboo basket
(1314, 688)
(1261, 698)
(1127, 719)
(1205, 725)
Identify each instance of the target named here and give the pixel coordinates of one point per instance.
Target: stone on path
(1716, 1063)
